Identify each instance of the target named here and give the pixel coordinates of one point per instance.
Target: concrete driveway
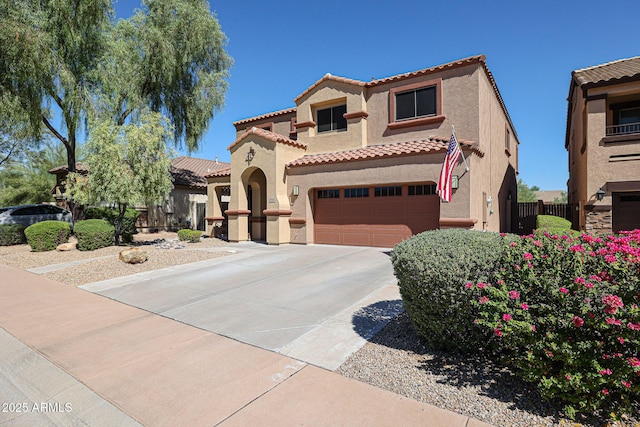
(316, 303)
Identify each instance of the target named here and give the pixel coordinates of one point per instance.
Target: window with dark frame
(356, 192)
(329, 194)
(422, 190)
(388, 191)
(507, 140)
(331, 119)
(416, 103)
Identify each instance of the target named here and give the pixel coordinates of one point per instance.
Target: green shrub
(12, 234)
(46, 235)
(93, 234)
(111, 215)
(432, 269)
(565, 311)
(192, 236)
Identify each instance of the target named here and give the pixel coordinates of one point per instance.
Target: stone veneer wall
(599, 222)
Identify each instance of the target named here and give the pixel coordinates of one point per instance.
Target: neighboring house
(550, 196)
(603, 141)
(356, 163)
(186, 204)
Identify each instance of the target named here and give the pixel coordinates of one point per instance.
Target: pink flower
(605, 372)
(591, 315)
(579, 280)
(483, 300)
(524, 306)
(576, 248)
(567, 376)
(533, 328)
(627, 384)
(537, 243)
(482, 285)
(605, 391)
(527, 256)
(612, 321)
(564, 290)
(634, 361)
(549, 354)
(498, 332)
(577, 321)
(596, 278)
(514, 294)
(621, 340)
(610, 258)
(588, 285)
(633, 326)
(612, 303)
(513, 244)
(506, 317)
(468, 285)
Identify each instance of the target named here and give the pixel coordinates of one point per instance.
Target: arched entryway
(255, 183)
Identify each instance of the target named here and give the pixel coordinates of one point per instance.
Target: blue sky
(281, 47)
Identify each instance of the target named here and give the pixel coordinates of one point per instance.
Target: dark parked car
(30, 214)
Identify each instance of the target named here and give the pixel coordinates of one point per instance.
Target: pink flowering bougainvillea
(573, 289)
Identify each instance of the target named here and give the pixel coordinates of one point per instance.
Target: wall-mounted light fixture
(295, 190)
(600, 194)
(489, 201)
(455, 182)
(250, 155)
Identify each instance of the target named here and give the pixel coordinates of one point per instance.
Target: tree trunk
(122, 209)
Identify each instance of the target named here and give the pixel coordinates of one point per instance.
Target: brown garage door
(374, 216)
(626, 211)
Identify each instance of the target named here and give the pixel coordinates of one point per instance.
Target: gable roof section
(326, 77)
(398, 149)
(268, 135)
(221, 172)
(608, 73)
(265, 116)
(191, 171)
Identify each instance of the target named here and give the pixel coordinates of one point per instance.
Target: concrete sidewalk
(79, 358)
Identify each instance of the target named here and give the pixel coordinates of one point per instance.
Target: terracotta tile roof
(191, 171)
(80, 167)
(326, 77)
(221, 172)
(611, 71)
(265, 116)
(271, 136)
(431, 145)
(477, 59)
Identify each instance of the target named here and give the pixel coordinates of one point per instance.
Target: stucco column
(278, 227)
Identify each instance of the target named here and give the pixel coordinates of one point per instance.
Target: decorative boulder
(66, 247)
(133, 256)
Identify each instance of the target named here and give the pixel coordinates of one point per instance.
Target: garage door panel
(626, 211)
(374, 221)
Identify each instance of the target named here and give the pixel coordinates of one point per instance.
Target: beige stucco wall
(270, 157)
(328, 94)
(494, 175)
(459, 106)
(179, 207)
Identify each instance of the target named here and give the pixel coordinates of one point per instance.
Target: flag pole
(453, 132)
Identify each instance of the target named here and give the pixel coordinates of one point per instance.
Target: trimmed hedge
(191, 236)
(555, 225)
(111, 215)
(12, 234)
(93, 234)
(47, 235)
(432, 270)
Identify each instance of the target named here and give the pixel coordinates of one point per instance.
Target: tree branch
(54, 131)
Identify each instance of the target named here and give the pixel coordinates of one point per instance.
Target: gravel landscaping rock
(105, 263)
(397, 360)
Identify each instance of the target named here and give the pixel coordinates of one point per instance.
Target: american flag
(450, 161)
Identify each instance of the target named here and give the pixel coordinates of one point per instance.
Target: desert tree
(128, 165)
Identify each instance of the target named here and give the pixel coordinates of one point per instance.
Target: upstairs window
(416, 103)
(330, 119)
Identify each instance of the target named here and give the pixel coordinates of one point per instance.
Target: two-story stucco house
(356, 163)
(603, 141)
